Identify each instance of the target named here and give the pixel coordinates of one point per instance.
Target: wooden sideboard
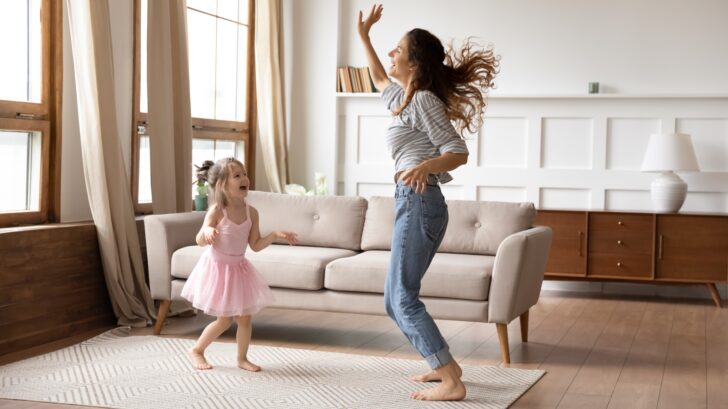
(640, 247)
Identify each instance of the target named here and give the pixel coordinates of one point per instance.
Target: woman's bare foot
(451, 388)
(433, 376)
(198, 359)
(443, 391)
(247, 365)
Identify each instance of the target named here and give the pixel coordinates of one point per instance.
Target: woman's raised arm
(379, 75)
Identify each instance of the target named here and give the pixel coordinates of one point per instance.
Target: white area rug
(122, 371)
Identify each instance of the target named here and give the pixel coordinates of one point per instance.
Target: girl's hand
(290, 237)
(363, 27)
(209, 234)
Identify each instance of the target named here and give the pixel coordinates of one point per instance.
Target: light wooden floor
(598, 352)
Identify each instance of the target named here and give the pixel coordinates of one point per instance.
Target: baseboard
(621, 288)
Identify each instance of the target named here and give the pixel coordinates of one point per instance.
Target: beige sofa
(489, 267)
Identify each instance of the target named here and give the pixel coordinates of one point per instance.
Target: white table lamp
(668, 153)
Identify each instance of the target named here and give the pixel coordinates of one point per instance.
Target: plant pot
(201, 203)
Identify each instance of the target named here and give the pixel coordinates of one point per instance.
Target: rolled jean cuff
(439, 358)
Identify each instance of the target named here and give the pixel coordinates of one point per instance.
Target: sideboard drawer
(638, 266)
(620, 233)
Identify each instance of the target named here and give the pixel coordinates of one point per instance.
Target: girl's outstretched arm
(379, 75)
(258, 243)
(208, 231)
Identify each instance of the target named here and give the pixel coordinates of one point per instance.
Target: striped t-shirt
(421, 131)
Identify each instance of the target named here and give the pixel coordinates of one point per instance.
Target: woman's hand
(290, 237)
(209, 234)
(416, 177)
(364, 26)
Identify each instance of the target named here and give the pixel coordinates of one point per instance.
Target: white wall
(310, 33)
(558, 46)
(547, 47)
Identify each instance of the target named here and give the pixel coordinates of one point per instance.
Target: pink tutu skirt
(226, 286)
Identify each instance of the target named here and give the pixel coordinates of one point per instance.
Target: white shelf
(610, 96)
(358, 94)
(562, 96)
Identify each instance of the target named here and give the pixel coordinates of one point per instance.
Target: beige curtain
(170, 123)
(103, 166)
(269, 93)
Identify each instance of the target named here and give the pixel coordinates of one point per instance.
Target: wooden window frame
(202, 128)
(43, 117)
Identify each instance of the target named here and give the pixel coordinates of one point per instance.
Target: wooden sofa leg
(161, 316)
(524, 326)
(503, 339)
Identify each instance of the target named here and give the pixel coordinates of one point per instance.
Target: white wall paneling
(566, 143)
(575, 152)
(618, 199)
(454, 191)
(627, 140)
(565, 198)
(503, 143)
(706, 202)
(710, 139)
(375, 189)
(502, 193)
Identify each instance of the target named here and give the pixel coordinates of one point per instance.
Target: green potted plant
(201, 190)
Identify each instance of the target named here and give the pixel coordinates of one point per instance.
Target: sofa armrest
(165, 233)
(518, 272)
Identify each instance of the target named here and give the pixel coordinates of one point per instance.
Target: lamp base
(668, 192)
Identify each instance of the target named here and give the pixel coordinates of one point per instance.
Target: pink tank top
(232, 238)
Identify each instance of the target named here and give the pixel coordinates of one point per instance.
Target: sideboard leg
(714, 293)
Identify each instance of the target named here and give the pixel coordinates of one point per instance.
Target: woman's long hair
(461, 79)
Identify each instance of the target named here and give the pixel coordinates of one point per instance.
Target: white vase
(668, 192)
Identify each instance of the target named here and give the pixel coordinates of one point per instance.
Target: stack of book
(354, 79)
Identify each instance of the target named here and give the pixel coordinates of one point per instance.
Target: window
(31, 49)
(220, 61)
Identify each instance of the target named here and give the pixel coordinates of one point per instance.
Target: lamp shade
(670, 152)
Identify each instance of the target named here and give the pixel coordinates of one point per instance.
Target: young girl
(224, 283)
(434, 88)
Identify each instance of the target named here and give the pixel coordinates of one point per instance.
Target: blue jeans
(419, 226)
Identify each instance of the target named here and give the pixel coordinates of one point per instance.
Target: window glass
(20, 31)
(20, 153)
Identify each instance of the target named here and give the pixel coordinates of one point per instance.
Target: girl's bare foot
(247, 365)
(198, 359)
(443, 391)
(433, 376)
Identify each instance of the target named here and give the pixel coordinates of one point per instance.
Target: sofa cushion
(479, 227)
(461, 276)
(378, 224)
(297, 267)
(282, 266)
(475, 227)
(319, 221)
(184, 260)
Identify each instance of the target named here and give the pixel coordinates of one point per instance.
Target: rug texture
(118, 370)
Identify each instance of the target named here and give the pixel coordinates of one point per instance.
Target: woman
(434, 90)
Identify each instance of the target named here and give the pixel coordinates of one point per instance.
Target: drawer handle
(620, 223)
(619, 241)
(619, 264)
(659, 248)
